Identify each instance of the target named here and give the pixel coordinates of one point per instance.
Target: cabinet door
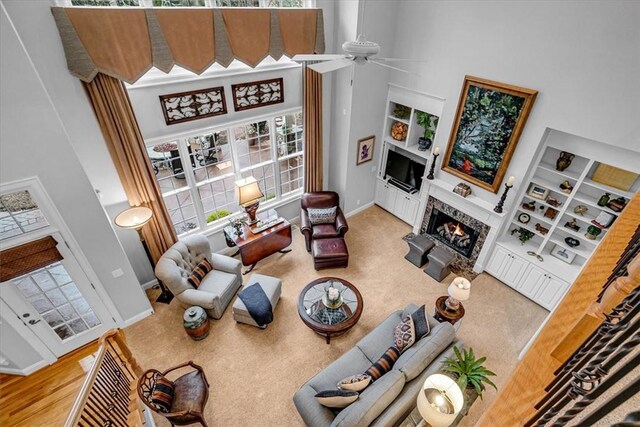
(390, 198)
(513, 270)
(381, 193)
(498, 261)
(400, 208)
(549, 295)
(412, 209)
(533, 279)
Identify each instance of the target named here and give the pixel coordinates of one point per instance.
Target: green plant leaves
(469, 370)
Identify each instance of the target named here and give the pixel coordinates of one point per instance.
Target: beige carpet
(254, 373)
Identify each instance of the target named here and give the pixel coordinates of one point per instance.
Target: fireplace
(453, 233)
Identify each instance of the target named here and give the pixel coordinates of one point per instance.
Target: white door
(498, 261)
(533, 281)
(549, 295)
(58, 303)
(412, 210)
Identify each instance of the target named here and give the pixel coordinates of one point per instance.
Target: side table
(443, 315)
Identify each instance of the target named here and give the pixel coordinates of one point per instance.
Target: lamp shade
(440, 400)
(248, 190)
(134, 217)
(460, 289)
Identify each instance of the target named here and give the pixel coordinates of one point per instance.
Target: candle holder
(500, 204)
(433, 166)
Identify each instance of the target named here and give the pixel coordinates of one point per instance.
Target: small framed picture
(538, 191)
(563, 254)
(365, 149)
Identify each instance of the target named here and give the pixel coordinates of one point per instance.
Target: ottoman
(419, 248)
(270, 285)
(439, 261)
(329, 253)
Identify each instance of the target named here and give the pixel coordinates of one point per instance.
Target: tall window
(196, 174)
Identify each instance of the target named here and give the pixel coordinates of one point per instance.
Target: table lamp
(249, 196)
(136, 218)
(459, 290)
(440, 400)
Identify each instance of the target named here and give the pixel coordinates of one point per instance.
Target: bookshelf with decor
(409, 115)
(572, 195)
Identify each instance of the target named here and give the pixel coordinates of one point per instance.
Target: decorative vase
(592, 232)
(332, 297)
(604, 199)
(196, 323)
(424, 144)
(564, 161)
(399, 131)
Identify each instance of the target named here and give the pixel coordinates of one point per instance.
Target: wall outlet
(358, 202)
(117, 273)
(374, 168)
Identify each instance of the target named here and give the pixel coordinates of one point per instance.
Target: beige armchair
(216, 289)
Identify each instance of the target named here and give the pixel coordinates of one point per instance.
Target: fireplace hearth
(453, 233)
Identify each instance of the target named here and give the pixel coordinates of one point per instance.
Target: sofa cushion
(383, 364)
(322, 216)
(355, 382)
(372, 402)
(336, 398)
(380, 338)
(404, 334)
(416, 358)
(350, 363)
(323, 231)
(217, 282)
(420, 322)
(198, 273)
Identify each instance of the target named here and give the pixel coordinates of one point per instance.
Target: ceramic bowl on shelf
(572, 242)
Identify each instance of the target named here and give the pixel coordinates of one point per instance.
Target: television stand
(402, 186)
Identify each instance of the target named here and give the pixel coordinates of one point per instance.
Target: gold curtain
(113, 110)
(312, 130)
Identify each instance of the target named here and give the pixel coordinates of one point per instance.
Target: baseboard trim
(150, 284)
(138, 317)
(26, 371)
(360, 209)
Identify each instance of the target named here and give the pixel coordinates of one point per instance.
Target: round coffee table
(329, 321)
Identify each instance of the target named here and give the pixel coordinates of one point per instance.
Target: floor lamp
(136, 218)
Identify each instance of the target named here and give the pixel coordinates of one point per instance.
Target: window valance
(125, 43)
(26, 258)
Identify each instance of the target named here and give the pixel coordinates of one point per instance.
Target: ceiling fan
(360, 51)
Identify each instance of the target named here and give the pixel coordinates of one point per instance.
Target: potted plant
(523, 234)
(429, 123)
(469, 373)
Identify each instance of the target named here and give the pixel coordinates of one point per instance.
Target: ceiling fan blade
(392, 67)
(327, 57)
(399, 59)
(336, 64)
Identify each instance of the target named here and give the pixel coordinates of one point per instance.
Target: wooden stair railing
(108, 396)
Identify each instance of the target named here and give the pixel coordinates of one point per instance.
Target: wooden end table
(443, 315)
(256, 247)
(326, 321)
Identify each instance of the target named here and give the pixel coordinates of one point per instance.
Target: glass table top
(323, 310)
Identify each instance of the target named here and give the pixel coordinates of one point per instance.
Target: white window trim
(192, 185)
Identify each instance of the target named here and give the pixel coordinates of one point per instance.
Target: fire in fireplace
(451, 232)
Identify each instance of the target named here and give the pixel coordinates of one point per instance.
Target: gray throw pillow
(420, 323)
(336, 398)
(322, 216)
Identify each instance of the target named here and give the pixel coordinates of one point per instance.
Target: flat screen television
(404, 169)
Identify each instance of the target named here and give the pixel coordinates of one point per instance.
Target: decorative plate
(524, 218)
(572, 242)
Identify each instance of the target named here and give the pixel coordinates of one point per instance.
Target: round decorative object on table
(196, 323)
(443, 315)
(324, 317)
(524, 218)
(572, 242)
(399, 131)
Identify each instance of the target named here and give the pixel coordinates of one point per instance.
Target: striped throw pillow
(199, 272)
(384, 364)
(162, 394)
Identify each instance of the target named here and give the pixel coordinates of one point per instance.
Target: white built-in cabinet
(531, 281)
(400, 203)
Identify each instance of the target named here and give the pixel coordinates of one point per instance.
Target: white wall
(35, 141)
(582, 57)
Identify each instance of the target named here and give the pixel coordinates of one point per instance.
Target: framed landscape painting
(488, 124)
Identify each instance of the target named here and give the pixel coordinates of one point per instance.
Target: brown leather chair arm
(341, 222)
(305, 224)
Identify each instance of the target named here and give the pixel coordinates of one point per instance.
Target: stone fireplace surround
(481, 214)
(460, 263)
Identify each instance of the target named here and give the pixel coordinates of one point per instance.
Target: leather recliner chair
(321, 200)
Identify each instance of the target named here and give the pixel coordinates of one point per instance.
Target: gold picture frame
(479, 151)
(365, 149)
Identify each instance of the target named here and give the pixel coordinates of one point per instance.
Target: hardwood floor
(45, 397)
